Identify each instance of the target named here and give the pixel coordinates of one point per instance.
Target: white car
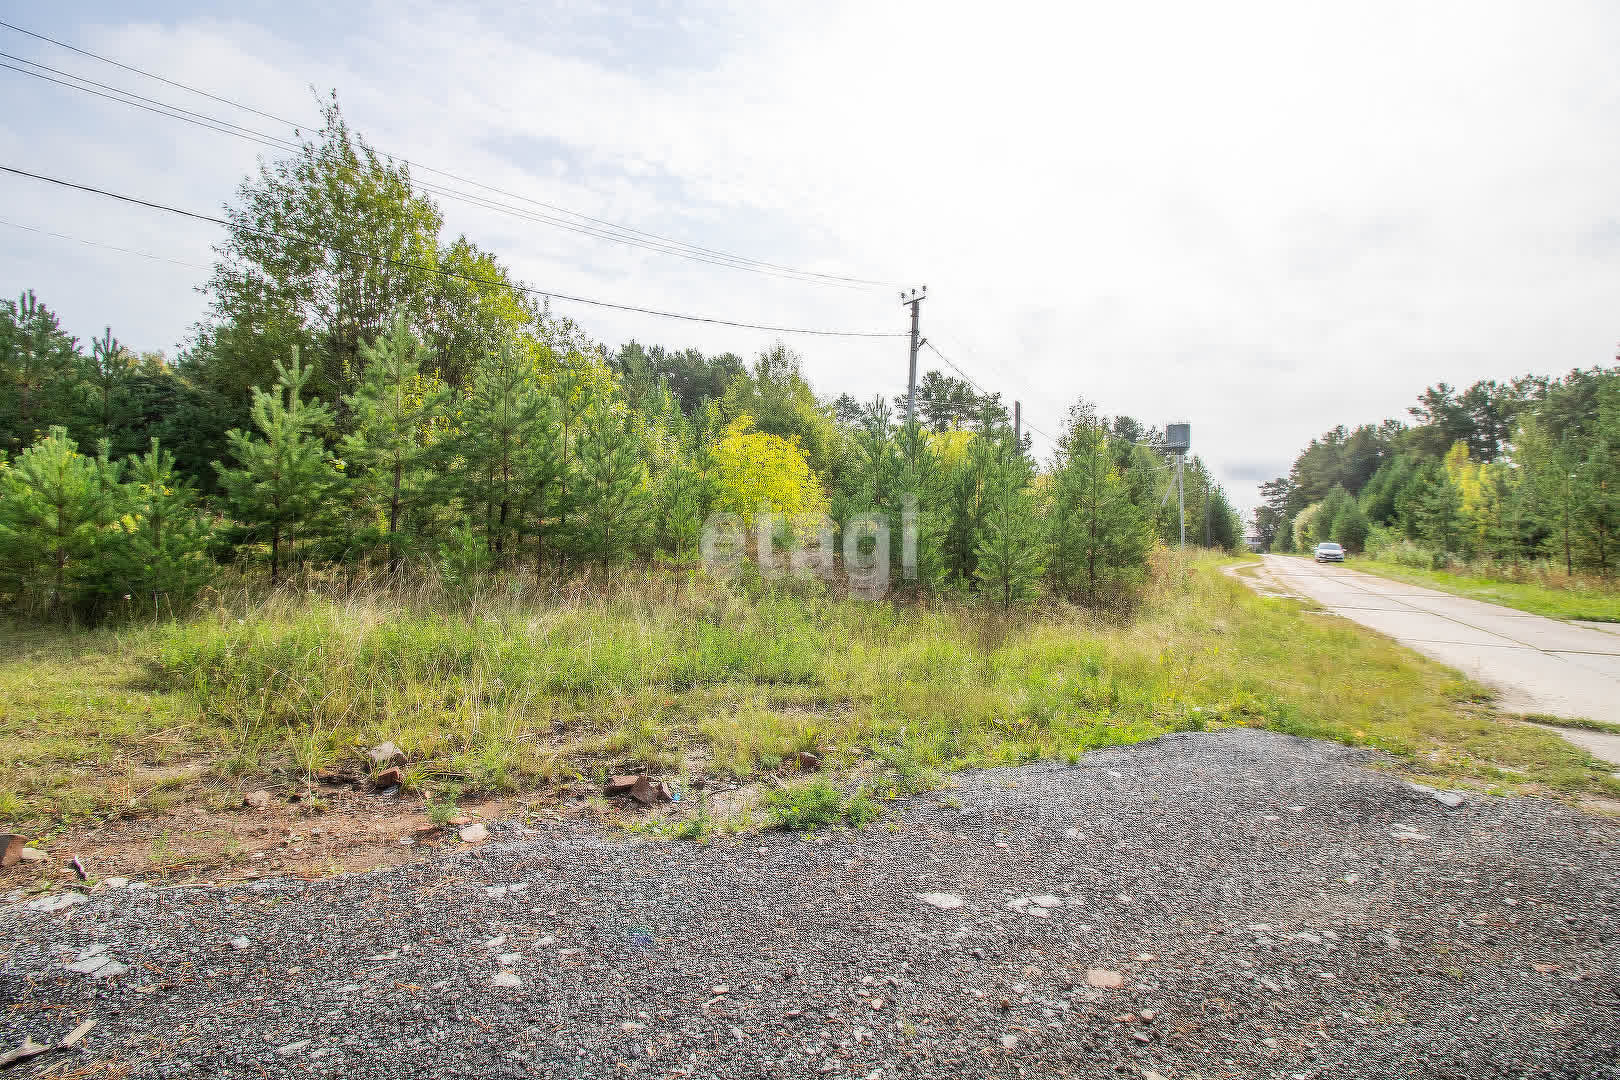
(1328, 551)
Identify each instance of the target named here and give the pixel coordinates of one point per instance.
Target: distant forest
(1506, 474)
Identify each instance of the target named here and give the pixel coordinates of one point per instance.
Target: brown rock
(386, 779)
(259, 800)
(385, 754)
(806, 761)
(646, 792)
(1104, 979)
(11, 848)
(642, 788)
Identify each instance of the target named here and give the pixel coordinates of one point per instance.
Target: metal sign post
(1178, 440)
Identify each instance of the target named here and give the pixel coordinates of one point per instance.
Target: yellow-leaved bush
(752, 468)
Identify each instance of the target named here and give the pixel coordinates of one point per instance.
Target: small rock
(58, 902)
(111, 969)
(806, 761)
(1009, 1042)
(28, 1049)
(506, 979)
(32, 854)
(1270, 1043)
(114, 882)
(1452, 799)
(77, 1033)
(258, 800)
(11, 848)
(509, 959)
(476, 833)
(385, 755)
(943, 900)
(239, 943)
(292, 1047)
(1148, 1016)
(1149, 1074)
(386, 779)
(620, 785)
(648, 792)
(1104, 979)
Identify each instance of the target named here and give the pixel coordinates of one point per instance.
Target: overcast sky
(1263, 218)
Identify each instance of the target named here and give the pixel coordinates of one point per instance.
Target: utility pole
(915, 299)
(1018, 425)
(1181, 497)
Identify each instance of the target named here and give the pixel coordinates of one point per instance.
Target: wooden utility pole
(915, 299)
(1018, 425)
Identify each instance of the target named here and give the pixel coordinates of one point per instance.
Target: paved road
(1539, 665)
(1209, 906)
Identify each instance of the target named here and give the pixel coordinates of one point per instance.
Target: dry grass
(520, 685)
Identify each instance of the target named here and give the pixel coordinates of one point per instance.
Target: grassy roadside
(516, 689)
(1575, 600)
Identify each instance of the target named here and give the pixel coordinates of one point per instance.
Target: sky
(1264, 219)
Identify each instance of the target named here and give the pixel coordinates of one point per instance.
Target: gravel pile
(1236, 904)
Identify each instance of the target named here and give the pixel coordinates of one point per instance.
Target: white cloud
(1266, 218)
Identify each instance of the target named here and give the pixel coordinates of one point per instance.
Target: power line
(971, 382)
(99, 244)
(545, 293)
(593, 226)
(225, 127)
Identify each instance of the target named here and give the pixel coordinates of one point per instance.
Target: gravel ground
(1271, 907)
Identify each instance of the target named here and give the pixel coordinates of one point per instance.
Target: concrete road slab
(1549, 635)
(1537, 664)
(1604, 663)
(1411, 627)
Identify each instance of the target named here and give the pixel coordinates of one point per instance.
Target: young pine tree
(1096, 534)
(547, 468)
(610, 486)
(497, 422)
(283, 475)
(166, 540)
(390, 453)
(1009, 547)
(56, 507)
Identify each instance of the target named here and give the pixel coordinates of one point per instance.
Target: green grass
(1573, 722)
(1558, 598)
(516, 688)
(817, 804)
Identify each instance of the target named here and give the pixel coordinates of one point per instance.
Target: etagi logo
(807, 546)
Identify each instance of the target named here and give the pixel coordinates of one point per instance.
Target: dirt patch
(351, 831)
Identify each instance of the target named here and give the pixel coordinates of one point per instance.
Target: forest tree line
(1507, 474)
(381, 397)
